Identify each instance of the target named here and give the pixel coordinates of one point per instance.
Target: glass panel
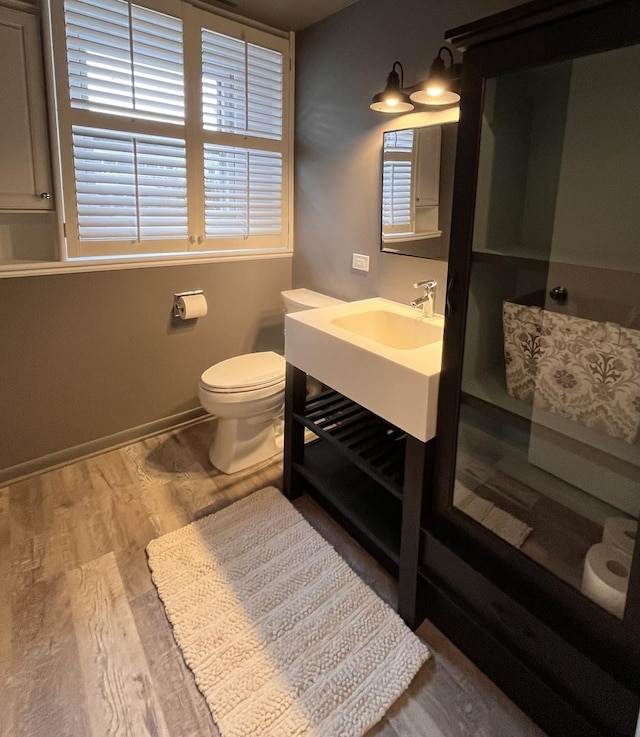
(548, 452)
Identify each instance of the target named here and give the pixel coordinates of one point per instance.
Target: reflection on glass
(548, 449)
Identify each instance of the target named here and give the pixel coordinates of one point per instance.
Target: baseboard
(85, 450)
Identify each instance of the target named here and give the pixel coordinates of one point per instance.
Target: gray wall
(89, 355)
(340, 64)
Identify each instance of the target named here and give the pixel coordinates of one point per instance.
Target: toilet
(246, 394)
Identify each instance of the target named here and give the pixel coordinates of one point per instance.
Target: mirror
(417, 190)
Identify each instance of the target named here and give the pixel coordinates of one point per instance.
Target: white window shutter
(124, 59)
(241, 87)
(397, 182)
(243, 192)
(129, 187)
(396, 201)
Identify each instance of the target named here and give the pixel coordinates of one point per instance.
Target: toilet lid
(245, 372)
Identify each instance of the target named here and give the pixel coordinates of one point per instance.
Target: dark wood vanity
(368, 473)
(545, 227)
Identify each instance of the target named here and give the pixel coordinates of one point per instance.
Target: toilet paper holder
(177, 295)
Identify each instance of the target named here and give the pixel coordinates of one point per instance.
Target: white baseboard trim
(63, 457)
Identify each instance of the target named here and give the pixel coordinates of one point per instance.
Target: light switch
(360, 262)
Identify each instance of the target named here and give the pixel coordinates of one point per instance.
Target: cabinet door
(25, 178)
(539, 421)
(427, 163)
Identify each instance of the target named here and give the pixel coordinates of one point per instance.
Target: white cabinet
(427, 181)
(25, 170)
(427, 163)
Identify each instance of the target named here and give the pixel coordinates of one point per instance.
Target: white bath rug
(283, 638)
(501, 523)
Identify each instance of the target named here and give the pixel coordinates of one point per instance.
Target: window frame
(196, 245)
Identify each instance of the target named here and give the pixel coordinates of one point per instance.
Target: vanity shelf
(365, 471)
(372, 444)
(360, 504)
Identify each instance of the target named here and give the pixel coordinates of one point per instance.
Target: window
(173, 129)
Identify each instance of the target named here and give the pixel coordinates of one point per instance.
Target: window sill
(46, 268)
(404, 237)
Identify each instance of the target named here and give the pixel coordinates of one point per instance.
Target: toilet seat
(245, 373)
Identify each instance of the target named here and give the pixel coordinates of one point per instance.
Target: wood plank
(78, 530)
(124, 513)
(185, 710)
(461, 697)
(29, 509)
(382, 729)
(408, 717)
(43, 695)
(166, 507)
(226, 489)
(115, 673)
(36, 536)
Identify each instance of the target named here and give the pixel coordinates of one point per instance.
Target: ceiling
(287, 15)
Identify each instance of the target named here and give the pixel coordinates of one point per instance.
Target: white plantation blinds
(242, 94)
(129, 187)
(174, 130)
(124, 59)
(242, 191)
(397, 199)
(241, 87)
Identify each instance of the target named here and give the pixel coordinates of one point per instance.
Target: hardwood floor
(85, 648)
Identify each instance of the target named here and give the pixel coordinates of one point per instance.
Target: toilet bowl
(246, 394)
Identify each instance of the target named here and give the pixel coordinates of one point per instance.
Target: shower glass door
(548, 448)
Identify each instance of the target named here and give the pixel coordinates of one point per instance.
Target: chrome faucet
(428, 298)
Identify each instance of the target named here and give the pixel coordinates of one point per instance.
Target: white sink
(383, 355)
(393, 329)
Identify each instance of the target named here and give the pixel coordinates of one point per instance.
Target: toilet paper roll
(621, 532)
(191, 306)
(605, 577)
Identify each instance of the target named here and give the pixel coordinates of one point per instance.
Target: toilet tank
(296, 300)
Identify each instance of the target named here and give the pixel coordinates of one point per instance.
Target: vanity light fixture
(438, 89)
(392, 99)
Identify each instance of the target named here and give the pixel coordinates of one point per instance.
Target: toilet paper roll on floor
(191, 306)
(621, 532)
(605, 577)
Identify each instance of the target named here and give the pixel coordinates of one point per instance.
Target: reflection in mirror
(417, 190)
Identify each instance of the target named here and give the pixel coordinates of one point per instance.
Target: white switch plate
(360, 262)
